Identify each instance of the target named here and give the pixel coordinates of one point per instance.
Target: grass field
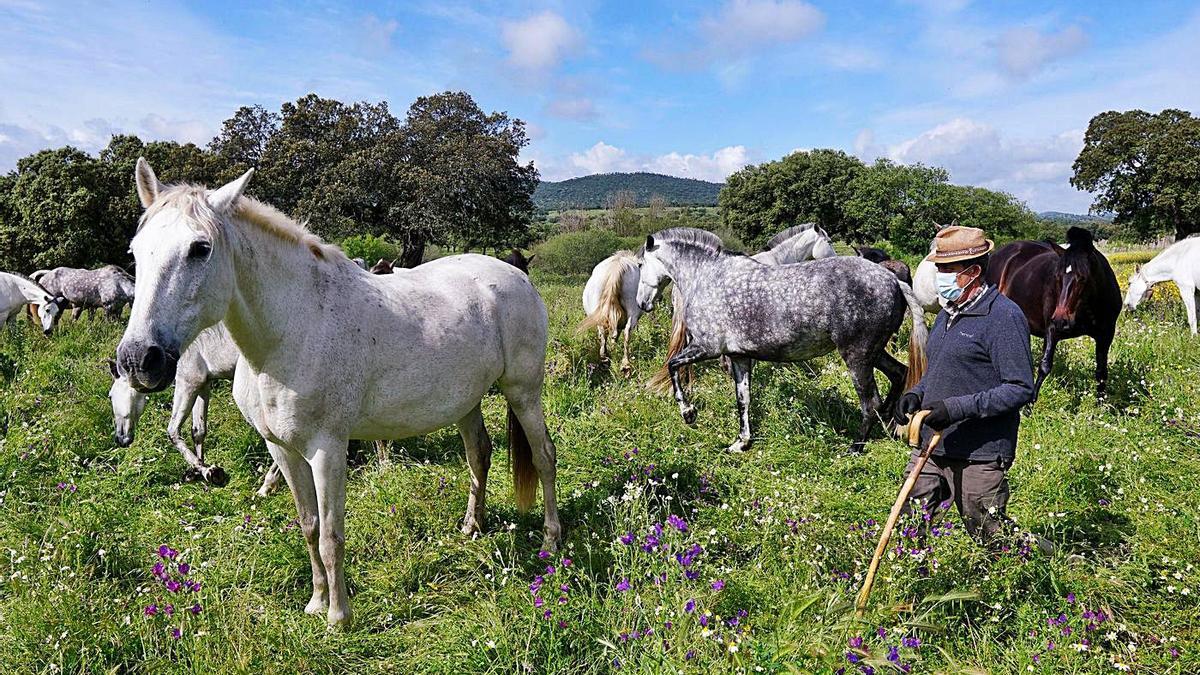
(678, 557)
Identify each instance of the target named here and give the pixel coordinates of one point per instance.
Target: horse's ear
(649, 242)
(1137, 268)
(530, 258)
(112, 369)
(222, 199)
(148, 186)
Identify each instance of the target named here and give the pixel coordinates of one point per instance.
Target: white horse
(924, 284)
(212, 356)
(610, 302)
(17, 291)
(1179, 263)
(797, 244)
(331, 352)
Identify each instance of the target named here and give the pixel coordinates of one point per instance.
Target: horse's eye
(199, 250)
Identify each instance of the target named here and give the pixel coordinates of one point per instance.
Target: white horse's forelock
(191, 201)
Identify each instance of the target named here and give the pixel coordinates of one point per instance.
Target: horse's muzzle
(149, 367)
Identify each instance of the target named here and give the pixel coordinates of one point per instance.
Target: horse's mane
(22, 277)
(693, 238)
(191, 200)
(788, 234)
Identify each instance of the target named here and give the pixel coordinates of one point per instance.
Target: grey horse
(739, 307)
(109, 288)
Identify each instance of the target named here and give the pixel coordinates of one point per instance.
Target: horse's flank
(610, 314)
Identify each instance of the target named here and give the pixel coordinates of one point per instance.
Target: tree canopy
(901, 204)
(1144, 168)
(446, 174)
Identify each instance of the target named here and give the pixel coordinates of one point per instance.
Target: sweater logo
(966, 335)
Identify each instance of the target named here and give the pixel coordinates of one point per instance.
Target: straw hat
(955, 243)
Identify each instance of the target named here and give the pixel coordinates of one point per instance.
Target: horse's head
(654, 276)
(1138, 285)
(383, 266)
(49, 312)
(185, 279)
(1076, 271)
(127, 405)
(823, 246)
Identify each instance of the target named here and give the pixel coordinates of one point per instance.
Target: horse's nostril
(153, 358)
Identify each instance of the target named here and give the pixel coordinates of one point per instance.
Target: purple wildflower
(176, 633)
(195, 609)
(911, 642)
(893, 654)
(1070, 598)
(169, 610)
(689, 606)
(628, 538)
(852, 657)
(881, 632)
(172, 585)
(150, 610)
(538, 601)
(184, 568)
(718, 584)
(566, 562)
(543, 554)
(691, 654)
(856, 642)
(623, 585)
(677, 522)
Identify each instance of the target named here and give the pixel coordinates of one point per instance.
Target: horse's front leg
(1103, 343)
(327, 457)
(686, 356)
(299, 476)
(1188, 293)
(185, 397)
(213, 474)
(1046, 364)
(740, 369)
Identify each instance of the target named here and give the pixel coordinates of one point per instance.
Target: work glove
(909, 404)
(939, 416)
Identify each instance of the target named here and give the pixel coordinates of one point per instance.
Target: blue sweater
(979, 364)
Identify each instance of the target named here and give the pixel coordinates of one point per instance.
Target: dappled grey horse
(109, 288)
(737, 306)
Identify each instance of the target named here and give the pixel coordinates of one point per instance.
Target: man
(979, 376)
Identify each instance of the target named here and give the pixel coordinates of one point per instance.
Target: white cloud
(182, 131)
(847, 57)
(377, 34)
(1023, 51)
(1036, 170)
(605, 158)
(744, 26)
(541, 41)
(715, 167)
(581, 108)
(602, 158)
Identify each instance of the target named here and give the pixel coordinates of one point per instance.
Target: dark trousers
(978, 489)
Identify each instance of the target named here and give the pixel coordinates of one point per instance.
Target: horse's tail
(916, 341)
(520, 455)
(610, 313)
(661, 381)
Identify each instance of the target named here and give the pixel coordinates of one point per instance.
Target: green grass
(1113, 480)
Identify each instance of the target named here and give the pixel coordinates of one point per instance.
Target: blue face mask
(947, 286)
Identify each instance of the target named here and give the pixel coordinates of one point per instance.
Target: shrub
(578, 252)
(370, 248)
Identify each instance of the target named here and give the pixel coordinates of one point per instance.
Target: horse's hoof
(626, 369)
(471, 527)
(689, 415)
(193, 475)
(339, 621)
(216, 476)
(739, 446)
(858, 448)
(318, 605)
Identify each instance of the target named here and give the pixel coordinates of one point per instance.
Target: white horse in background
(797, 244)
(212, 356)
(1179, 263)
(17, 291)
(331, 352)
(610, 302)
(924, 284)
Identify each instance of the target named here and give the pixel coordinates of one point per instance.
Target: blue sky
(998, 93)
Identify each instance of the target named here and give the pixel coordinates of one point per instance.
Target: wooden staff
(914, 439)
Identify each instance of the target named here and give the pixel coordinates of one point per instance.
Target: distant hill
(590, 192)
(1059, 216)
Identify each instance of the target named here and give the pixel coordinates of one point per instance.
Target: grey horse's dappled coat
(108, 287)
(749, 311)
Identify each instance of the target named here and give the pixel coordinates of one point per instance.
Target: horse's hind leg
(524, 397)
(895, 372)
(479, 458)
(862, 372)
(626, 368)
(1103, 343)
(741, 368)
(270, 481)
(603, 343)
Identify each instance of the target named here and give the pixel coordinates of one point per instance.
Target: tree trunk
(413, 254)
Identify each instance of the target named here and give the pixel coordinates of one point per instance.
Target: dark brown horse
(1064, 292)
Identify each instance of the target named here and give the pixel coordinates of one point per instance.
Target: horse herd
(320, 351)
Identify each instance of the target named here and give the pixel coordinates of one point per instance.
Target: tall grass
(775, 540)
